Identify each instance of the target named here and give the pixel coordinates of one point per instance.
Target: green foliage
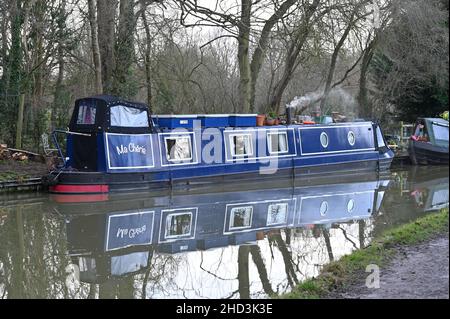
(272, 115)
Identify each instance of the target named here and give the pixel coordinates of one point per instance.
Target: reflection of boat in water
(39, 243)
(117, 241)
(431, 195)
(429, 143)
(421, 189)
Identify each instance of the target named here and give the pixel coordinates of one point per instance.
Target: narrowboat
(119, 235)
(116, 145)
(429, 142)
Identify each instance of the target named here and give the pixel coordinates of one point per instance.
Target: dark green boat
(429, 142)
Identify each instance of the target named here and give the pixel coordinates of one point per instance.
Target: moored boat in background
(429, 142)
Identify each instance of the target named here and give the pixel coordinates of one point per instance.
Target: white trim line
(330, 195)
(128, 167)
(241, 227)
(129, 214)
(227, 159)
(249, 229)
(175, 138)
(194, 148)
(181, 235)
(172, 239)
(311, 127)
(233, 145)
(287, 214)
(269, 141)
(333, 152)
(168, 116)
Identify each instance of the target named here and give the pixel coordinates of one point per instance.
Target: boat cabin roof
(437, 130)
(431, 120)
(111, 114)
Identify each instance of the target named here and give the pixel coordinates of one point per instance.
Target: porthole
(324, 139)
(351, 138)
(351, 205)
(323, 208)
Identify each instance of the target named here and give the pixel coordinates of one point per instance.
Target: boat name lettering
(131, 233)
(131, 148)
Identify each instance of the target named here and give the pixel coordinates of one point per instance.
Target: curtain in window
(242, 145)
(86, 115)
(181, 149)
(282, 140)
(125, 116)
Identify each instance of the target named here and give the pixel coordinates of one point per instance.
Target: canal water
(242, 240)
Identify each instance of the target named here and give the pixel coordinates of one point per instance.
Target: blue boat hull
(127, 162)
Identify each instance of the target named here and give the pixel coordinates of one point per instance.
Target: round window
(351, 205)
(324, 139)
(351, 138)
(323, 208)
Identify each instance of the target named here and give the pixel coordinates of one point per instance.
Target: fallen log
(15, 150)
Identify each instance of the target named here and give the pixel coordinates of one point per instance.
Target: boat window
(351, 205)
(380, 138)
(86, 114)
(178, 148)
(323, 208)
(125, 116)
(241, 145)
(277, 142)
(277, 214)
(440, 132)
(351, 138)
(324, 139)
(241, 217)
(178, 224)
(86, 264)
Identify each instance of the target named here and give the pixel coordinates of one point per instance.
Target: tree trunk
(243, 275)
(292, 56)
(14, 69)
(333, 62)
(148, 47)
(326, 237)
(259, 262)
(258, 55)
(95, 46)
(123, 85)
(58, 93)
(243, 56)
(365, 110)
(19, 126)
(287, 258)
(58, 96)
(106, 12)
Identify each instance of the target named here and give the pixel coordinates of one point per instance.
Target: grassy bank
(342, 272)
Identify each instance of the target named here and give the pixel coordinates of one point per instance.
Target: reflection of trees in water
(34, 256)
(311, 248)
(243, 274)
(257, 258)
(159, 278)
(280, 243)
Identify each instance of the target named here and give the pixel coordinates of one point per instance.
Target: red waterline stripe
(79, 198)
(79, 189)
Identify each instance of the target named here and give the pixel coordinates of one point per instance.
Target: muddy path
(420, 271)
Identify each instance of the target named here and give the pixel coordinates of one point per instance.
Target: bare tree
(95, 46)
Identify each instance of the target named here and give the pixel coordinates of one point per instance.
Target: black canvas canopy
(107, 113)
(103, 113)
